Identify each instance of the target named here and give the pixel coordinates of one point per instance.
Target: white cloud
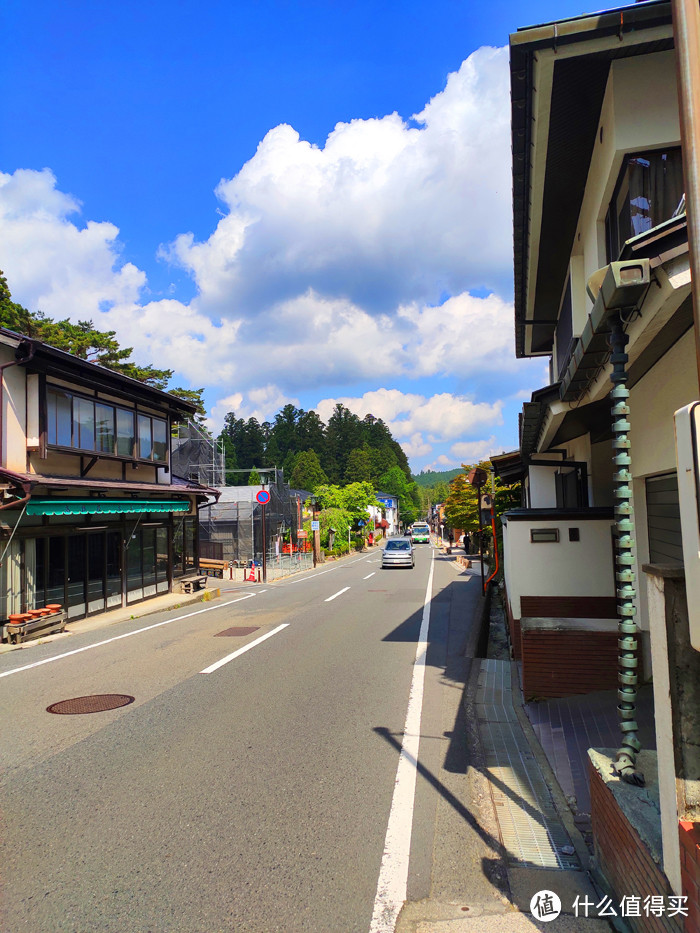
(52, 265)
(330, 267)
(416, 446)
(262, 403)
(474, 451)
(444, 416)
(386, 212)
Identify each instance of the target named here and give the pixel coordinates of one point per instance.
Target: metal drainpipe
(626, 759)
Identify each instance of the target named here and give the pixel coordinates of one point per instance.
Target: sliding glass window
(125, 433)
(85, 424)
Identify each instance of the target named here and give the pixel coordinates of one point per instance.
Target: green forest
(348, 449)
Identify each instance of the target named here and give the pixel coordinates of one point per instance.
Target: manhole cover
(241, 630)
(99, 703)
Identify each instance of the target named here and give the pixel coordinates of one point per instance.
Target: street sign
(263, 496)
(315, 526)
(302, 534)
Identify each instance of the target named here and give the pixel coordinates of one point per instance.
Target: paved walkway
(567, 727)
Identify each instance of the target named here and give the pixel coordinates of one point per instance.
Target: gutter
(594, 25)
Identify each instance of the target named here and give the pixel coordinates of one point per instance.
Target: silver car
(398, 552)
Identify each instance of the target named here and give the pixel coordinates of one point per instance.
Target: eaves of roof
(532, 418)
(577, 93)
(179, 486)
(38, 356)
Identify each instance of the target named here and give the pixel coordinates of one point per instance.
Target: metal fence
(232, 530)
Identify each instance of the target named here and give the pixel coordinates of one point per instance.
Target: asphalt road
(255, 797)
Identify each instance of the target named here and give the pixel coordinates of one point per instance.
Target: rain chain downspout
(626, 761)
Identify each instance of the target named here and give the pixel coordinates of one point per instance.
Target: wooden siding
(568, 607)
(664, 519)
(565, 663)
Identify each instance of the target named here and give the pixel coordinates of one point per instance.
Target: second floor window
(86, 424)
(648, 192)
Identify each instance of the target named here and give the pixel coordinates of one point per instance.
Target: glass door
(76, 576)
(96, 571)
(55, 557)
(113, 546)
(134, 578)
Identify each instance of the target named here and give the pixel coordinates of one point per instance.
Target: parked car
(420, 533)
(398, 553)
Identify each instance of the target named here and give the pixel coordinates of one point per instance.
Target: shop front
(90, 556)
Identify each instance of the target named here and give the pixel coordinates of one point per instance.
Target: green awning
(104, 506)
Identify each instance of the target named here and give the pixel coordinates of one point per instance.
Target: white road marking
(393, 874)
(107, 641)
(339, 593)
(236, 654)
(369, 575)
(306, 579)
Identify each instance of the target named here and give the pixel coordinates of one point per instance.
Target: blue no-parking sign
(263, 496)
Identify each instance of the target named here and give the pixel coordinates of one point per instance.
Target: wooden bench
(210, 567)
(193, 583)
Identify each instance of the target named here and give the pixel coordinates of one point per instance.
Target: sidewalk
(541, 845)
(164, 603)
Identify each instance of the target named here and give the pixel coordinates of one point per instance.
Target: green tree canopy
(353, 498)
(395, 482)
(87, 343)
(462, 506)
(307, 472)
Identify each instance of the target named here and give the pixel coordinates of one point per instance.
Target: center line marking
(369, 575)
(236, 654)
(339, 593)
(393, 874)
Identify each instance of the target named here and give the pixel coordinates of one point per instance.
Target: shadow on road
(493, 843)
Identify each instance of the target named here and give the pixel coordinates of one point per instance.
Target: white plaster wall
(543, 493)
(640, 111)
(668, 386)
(555, 569)
(14, 415)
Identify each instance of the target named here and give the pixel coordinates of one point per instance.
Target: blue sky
(303, 202)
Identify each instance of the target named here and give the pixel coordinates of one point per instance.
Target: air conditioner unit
(687, 441)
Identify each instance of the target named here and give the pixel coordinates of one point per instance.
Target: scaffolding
(197, 456)
(232, 529)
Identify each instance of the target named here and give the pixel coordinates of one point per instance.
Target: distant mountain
(431, 477)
